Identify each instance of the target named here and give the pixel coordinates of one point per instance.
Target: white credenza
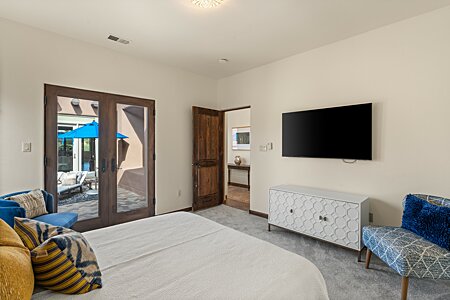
(331, 216)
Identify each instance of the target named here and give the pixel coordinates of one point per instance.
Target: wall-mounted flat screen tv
(343, 132)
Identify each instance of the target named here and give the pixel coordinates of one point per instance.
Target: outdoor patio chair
(81, 177)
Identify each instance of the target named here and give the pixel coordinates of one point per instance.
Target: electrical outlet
(26, 147)
(269, 146)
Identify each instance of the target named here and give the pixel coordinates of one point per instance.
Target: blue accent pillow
(432, 222)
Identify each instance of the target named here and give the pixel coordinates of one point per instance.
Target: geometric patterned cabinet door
(331, 216)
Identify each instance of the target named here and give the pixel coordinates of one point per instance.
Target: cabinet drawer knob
(325, 218)
(291, 210)
(320, 218)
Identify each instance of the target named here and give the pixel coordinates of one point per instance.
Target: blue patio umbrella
(87, 131)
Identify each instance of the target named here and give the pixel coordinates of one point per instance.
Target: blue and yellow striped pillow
(64, 262)
(33, 233)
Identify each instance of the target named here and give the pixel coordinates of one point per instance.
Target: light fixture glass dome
(207, 3)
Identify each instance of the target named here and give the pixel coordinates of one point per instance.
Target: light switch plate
(263, 148)
(26, 147)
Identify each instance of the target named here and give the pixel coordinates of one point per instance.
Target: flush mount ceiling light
(207, 3)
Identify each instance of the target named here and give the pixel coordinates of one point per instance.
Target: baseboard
(259, 214)
(239, 185)
(188, 209)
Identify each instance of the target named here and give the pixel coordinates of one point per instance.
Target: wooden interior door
(207, 159)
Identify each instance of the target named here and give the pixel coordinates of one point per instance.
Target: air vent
(117, 39)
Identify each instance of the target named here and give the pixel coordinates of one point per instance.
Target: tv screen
(339, 132)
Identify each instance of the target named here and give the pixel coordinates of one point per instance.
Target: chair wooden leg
(405, 281)
(368, 257)
(360, 253)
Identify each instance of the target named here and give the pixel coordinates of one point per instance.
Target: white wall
(30, 57)
(404, 69)
(236, 118)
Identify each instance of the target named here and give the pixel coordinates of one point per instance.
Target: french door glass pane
(77, 176)
(131, 143)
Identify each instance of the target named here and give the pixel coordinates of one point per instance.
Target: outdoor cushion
(407, 253)
(33, 203)
(65, 188)
(70, 179)
(16, 272)
(63, 219)
(430, 221)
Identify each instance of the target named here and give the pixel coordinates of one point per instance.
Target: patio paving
(87, 205)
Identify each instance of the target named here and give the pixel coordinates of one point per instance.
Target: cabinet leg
(268, 227)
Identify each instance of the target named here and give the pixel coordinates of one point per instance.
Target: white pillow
(70, 179)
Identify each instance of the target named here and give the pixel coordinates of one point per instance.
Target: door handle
(104, 165)
(113, 165)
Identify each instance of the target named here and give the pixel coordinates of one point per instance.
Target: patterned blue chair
(406, 252)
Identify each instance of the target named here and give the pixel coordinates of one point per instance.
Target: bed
(185, 256)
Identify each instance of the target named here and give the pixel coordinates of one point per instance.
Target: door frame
(222, 145)
(106, 214)
(225, 142)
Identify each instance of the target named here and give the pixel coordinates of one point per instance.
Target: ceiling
(249, 33)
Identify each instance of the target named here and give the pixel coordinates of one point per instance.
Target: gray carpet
(345, 277)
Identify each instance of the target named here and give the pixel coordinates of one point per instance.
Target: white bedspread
(185, 256)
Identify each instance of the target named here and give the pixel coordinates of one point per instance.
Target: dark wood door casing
(207, 160)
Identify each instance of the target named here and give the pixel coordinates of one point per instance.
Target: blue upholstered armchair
(10, 209)
(412, 250)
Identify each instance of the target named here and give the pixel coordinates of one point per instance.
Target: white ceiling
(249, 33)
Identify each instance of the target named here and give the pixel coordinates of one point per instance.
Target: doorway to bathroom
(237, 160)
